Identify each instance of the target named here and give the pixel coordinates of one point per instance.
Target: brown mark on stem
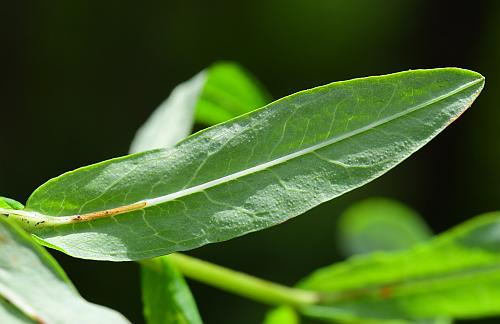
(108, 212)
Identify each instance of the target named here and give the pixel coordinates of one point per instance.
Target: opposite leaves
(250, 173)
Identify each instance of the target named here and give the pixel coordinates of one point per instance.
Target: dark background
(79, 77)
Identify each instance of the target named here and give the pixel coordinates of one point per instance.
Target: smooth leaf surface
(380, 224)
(221, 92)
(165, 294)
(456, 274)
(252, 172)
(35, 288)
(173, 120)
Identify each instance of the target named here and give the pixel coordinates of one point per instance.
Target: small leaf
(456, 274)
(221, 92)
(34, 288)
(250, 173)
(380, 224)
(165, 294)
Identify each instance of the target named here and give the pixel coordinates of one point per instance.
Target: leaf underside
(33, 288)
(254, 171)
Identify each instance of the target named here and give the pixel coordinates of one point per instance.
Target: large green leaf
(456, 274)
(380, 224)
(250, 173)
(165, 294)
(221, 92)
(33, 288)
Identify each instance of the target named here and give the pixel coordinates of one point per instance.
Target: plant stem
(240, 283)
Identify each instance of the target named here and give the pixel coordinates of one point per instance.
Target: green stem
(239, 283)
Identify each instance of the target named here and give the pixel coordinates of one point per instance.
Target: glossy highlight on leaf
(253, 172)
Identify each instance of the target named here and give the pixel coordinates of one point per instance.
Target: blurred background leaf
(380, 224)
(79, 77)
(218, 93)
(457, 273)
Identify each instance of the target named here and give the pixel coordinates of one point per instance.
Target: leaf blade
(166, 296)
(355, 138)
(36, 286)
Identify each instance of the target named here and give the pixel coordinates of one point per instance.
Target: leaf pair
(247, 174)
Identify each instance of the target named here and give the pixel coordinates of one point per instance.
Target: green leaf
(165, 294)
(230, 91)
(282, 315)
(218, 93)
(456, 274)
(173, 120)
(380, 224)
(371, 225)
(33, 288)
(250, 173)
(10, 203)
